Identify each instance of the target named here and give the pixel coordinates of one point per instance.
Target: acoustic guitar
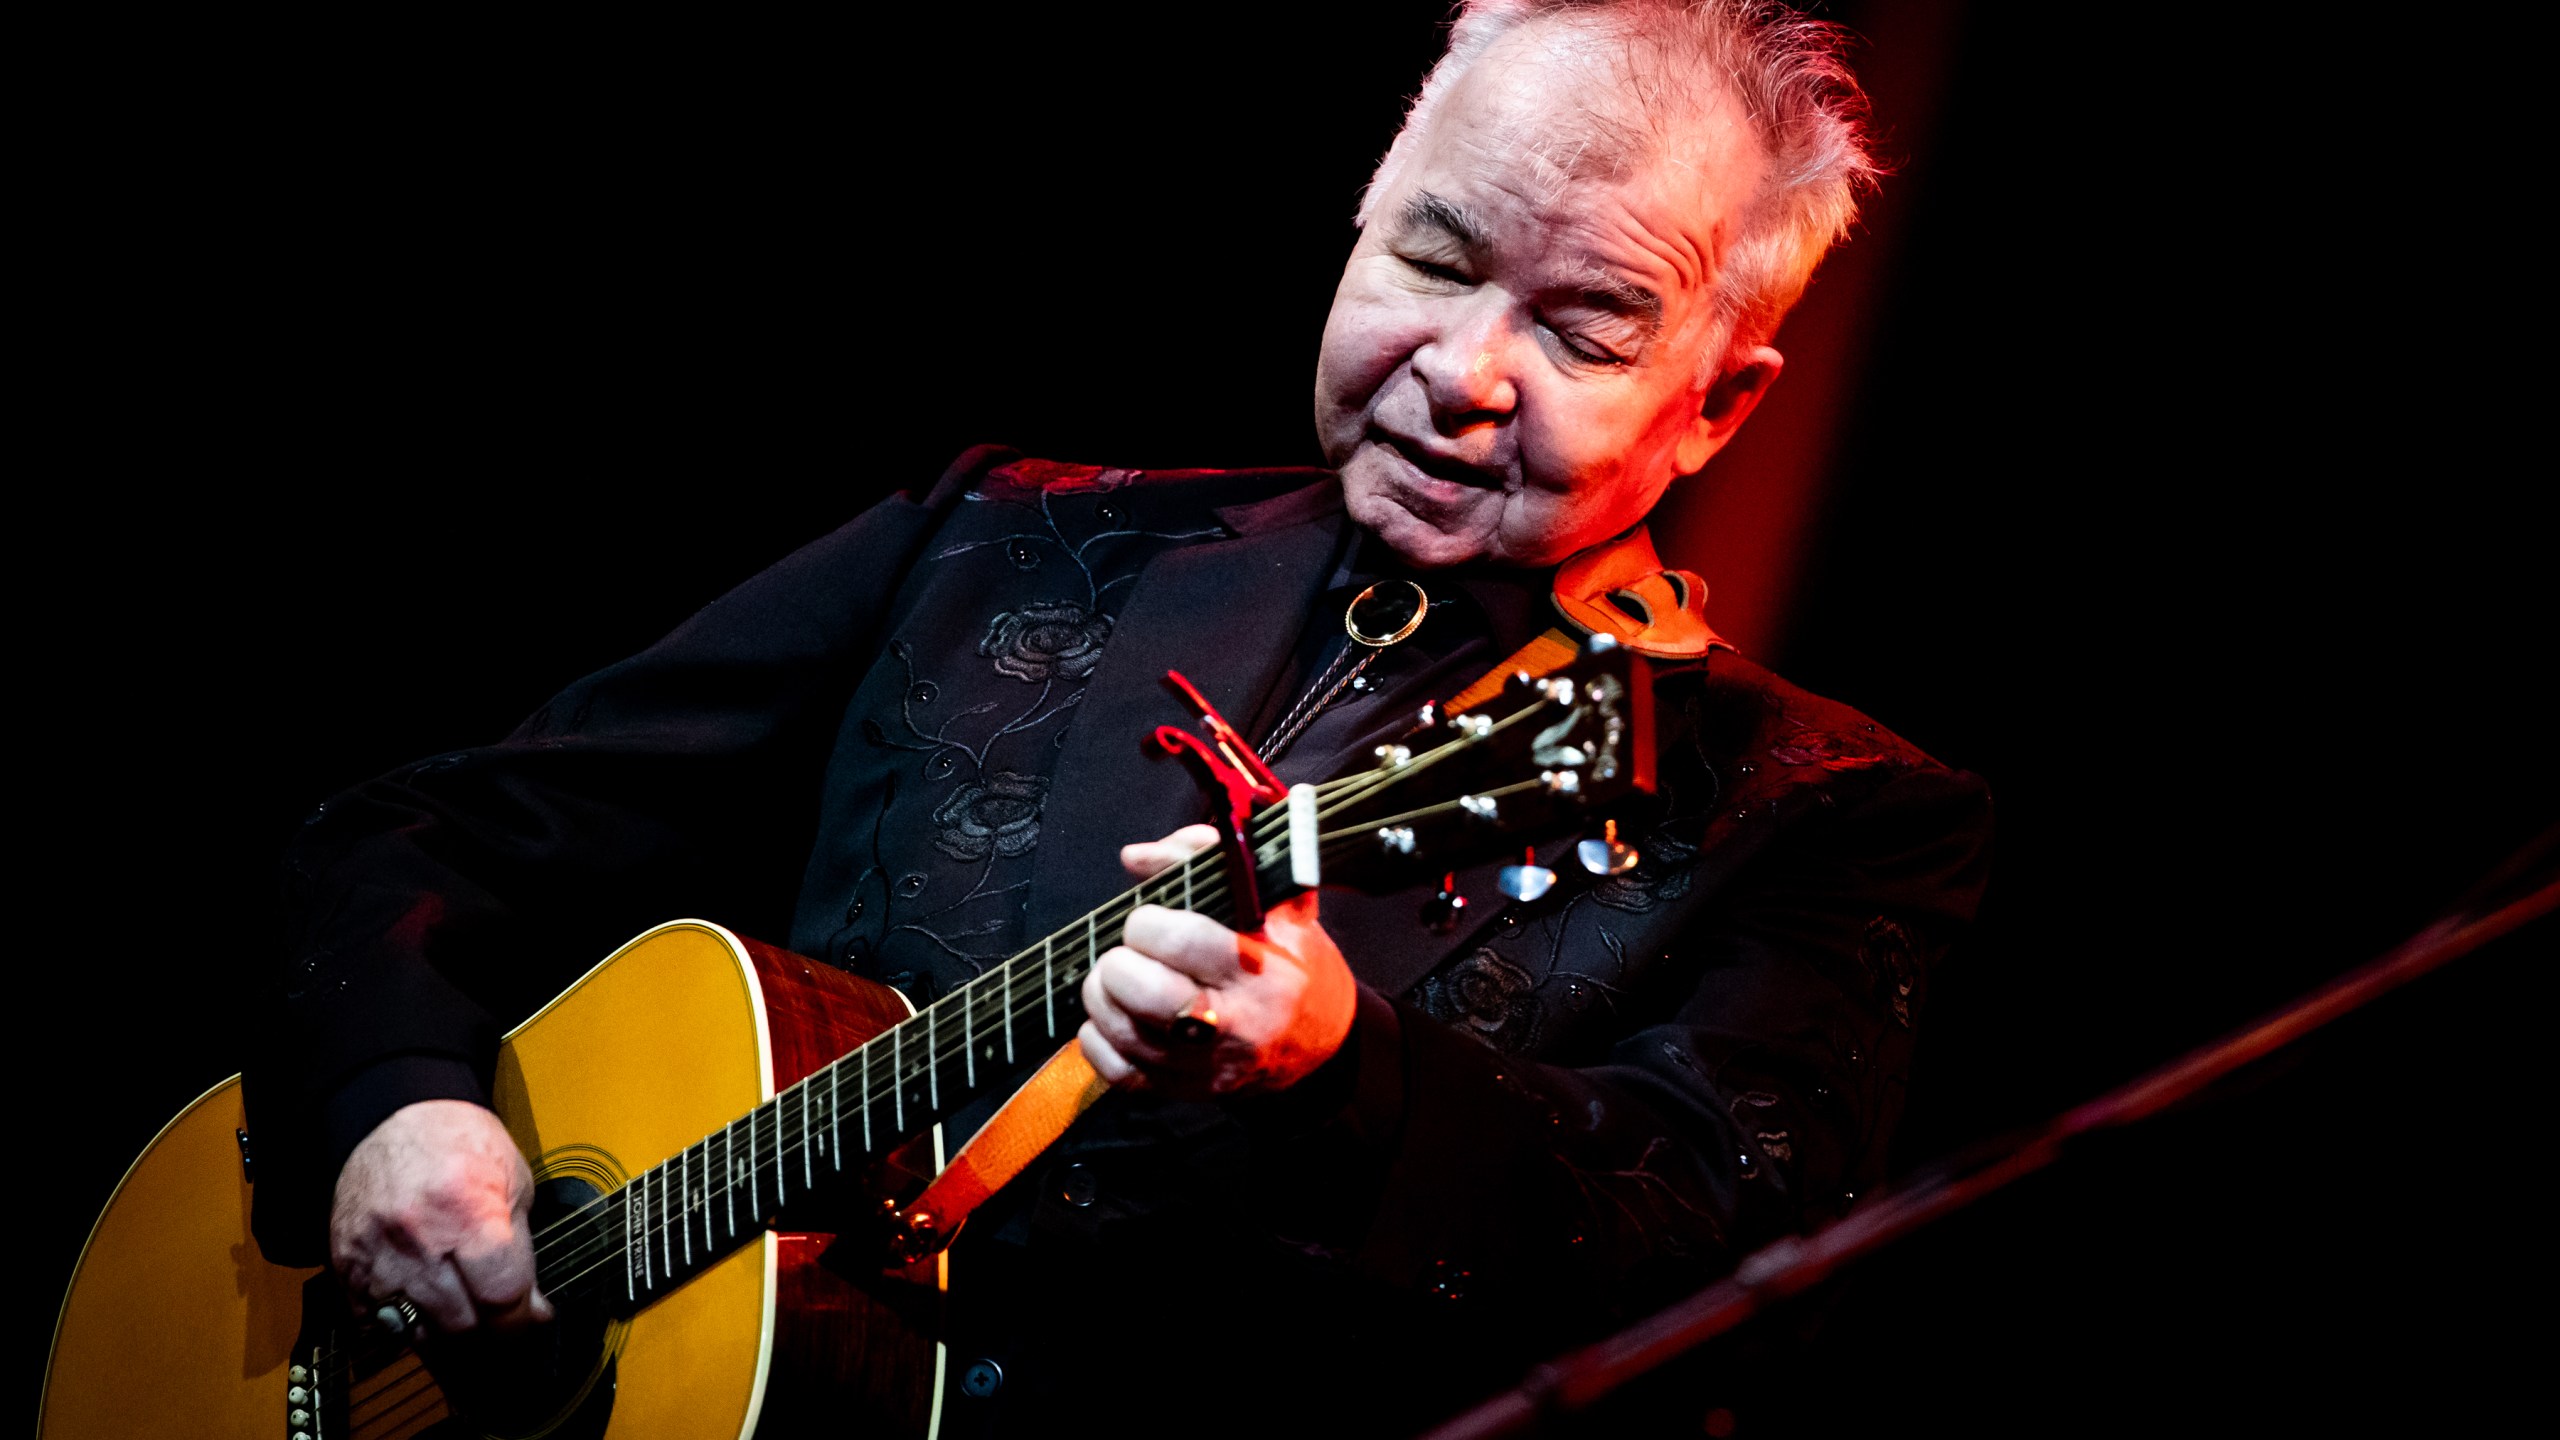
(690, 1101)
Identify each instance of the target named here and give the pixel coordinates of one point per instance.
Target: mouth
(1440, 469)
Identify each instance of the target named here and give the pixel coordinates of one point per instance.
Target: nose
(1466, 370)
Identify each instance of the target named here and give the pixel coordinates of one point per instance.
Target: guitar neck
(1571, 739)
(677, 1218)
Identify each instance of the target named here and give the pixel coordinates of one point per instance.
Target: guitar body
(175, 1324)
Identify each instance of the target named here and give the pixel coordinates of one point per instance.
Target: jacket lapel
(1227, 615)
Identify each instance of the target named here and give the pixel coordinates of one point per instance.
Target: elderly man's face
(1511, 370)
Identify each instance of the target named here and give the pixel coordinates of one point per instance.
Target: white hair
(1785, 71)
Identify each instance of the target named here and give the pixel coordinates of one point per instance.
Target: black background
(387, 378)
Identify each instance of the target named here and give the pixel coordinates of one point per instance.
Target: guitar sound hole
(554, 1380)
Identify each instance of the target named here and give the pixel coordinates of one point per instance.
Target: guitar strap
(1064, 1087)
(1619, 588)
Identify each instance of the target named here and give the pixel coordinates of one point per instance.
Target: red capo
(1230, 765)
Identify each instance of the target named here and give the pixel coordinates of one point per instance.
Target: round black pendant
(1386, 612)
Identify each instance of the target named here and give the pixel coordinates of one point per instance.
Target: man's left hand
(1281, 996)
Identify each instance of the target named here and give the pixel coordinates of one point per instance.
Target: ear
(1746, 377)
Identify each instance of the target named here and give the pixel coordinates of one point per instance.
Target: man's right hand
(431, 1206)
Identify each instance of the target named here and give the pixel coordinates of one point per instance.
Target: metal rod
(1574, 1381)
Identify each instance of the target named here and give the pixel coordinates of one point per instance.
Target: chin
(1421, 543)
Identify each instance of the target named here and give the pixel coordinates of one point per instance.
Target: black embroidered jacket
(918, 740)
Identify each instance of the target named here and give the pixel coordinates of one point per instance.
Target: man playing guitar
(1414, 1139)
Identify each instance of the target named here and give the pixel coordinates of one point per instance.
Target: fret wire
(755, 1211)
(932, 1075)
(729, 1175)
(867, 1149)
(968, 1041)
(807, 1096)
(1049, 981)
(637, 1220)
(1007, 972)
(777, 1107)
(1208, 900)
(835, 1115)
(897, 1081)
(585, 1223)
(783, 1134)
(666, 1248)
(684, 1169)
(629, 1294)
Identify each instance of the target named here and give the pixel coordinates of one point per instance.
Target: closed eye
(1583, 349)
(1446, 274)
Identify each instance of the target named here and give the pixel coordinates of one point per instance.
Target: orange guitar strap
(1618, 587)
(1063, 1088)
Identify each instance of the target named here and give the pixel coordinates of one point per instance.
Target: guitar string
(615, 1247)
(593, 1218)
(1105, 911)
(379, 1407)
(796, 1131)
(598, 1244)
(1108, 912)
(1268, 825)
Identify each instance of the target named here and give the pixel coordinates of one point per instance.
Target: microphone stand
(2524, 889)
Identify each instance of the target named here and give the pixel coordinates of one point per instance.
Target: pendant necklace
(1385, 614)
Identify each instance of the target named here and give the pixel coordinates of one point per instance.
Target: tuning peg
(1607, 855)
(1527, 880)
(1443, 911)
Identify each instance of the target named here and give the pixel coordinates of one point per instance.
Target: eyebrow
(1427, 211)
(1621, 296)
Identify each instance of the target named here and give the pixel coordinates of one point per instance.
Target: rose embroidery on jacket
(999, 815)
(1047, 639)
(1487, 997)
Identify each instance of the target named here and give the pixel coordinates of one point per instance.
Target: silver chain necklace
(1385, 614)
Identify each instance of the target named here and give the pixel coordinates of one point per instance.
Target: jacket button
(982, 1379)
(1074, 1184)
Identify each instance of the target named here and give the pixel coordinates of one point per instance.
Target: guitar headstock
(1544, 756)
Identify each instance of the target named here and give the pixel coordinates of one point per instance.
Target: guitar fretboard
(673, 1220)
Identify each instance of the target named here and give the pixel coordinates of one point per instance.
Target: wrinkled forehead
(1557, 105)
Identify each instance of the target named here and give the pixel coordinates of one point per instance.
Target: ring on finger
(1198, 1022)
